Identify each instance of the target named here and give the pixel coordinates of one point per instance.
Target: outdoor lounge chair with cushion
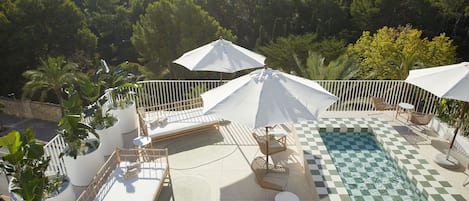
(380, 104)
(275, 177)
(275, 145)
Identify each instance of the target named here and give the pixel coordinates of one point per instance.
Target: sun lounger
(179, 119)
(125, 176)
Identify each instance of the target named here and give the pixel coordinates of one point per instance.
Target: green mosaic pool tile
(349, 130)
(322, 129)
(437, 197)
(336, 130)
(364, 130)
(319, 184)
(405, 161)
(408, 156)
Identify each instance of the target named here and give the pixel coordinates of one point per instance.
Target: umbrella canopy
(267, 97)
(220, 56)
(449, 81)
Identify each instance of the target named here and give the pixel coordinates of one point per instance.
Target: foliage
(33, 29)
(303, 55)
(27, 165)
(53, 75)
(169, 29)
(448, 110)
(84, 102)
(74, 132)
(112, 21)
(281, 53)
(340, 69)
(392, 52)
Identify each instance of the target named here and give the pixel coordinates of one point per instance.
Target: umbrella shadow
(192, 141)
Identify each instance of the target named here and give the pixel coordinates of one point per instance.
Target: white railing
(354, 95)
(53, 149)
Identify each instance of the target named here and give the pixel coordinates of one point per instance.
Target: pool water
(367, 171)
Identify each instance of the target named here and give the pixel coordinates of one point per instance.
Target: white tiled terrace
(214, 164)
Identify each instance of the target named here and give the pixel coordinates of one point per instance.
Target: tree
(112, 21)
(391, 52)
(34, 29)
(291, 53)
(284, 51)
(53, 75)
(169, 29)
(338, 69)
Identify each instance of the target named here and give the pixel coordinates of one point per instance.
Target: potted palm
(26, 165)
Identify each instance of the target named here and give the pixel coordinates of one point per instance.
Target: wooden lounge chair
(275, 145)
(380, 104)
(420, 119)
(275, 177)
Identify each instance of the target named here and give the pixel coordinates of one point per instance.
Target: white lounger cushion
(177, 121)
(142, 187)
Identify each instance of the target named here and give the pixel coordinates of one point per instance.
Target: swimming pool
(367, 171)
(325, 179)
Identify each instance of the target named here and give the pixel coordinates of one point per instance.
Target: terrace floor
(215, 164)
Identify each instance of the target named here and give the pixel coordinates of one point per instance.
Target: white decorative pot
(127, 118)
(110, 138)
(65, 194)
(82, 169)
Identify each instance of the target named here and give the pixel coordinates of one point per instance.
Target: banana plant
(26, 164)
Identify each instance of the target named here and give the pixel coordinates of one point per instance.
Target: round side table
(286, 196)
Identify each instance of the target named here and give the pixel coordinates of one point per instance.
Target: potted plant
(26, 165)
(105, 126)
(122, 86)
(124, 107)
(81, 156)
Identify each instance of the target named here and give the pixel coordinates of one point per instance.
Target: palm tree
(53, 75)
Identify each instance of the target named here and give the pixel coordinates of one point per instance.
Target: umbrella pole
(267, 147)
(458, 125)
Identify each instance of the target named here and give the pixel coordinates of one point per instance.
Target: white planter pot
(110, 138)
(82, 169)
(127, 118)
(66, 194)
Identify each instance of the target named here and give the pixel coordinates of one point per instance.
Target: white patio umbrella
(266, 97)
(220, 56)
(449, 81)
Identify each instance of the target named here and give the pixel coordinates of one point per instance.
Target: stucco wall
(31, 109)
